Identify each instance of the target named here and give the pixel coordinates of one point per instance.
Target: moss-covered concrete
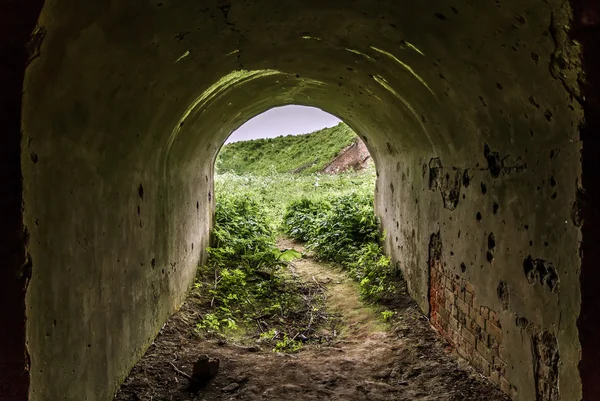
(471, 110)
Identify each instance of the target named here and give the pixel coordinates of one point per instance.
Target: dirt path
(369, 359)
(357, 320)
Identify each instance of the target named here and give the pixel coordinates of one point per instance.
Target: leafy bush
(245, 280)
(209, 322)
(346, 232)
(349, 224)
(387, 315)
(302, 217)
(242, 234)
(372, 269)
(243, 261)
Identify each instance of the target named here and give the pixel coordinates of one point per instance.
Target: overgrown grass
(275, 192)
(345, 230)
(250, 290)
(305, 154)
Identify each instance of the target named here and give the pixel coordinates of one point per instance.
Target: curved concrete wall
(470, 110)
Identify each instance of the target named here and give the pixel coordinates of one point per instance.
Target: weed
(209, 322)
(302, 217)
(288, 345)
(387, 315)
(269, 335)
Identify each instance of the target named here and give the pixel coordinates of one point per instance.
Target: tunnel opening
(308, 163)
(296, 269)
(299, 186)
(483, 117)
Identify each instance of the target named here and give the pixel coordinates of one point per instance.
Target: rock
(240, 378)
(413, 372)
(290, 388)
(231, 387)
(383, 374)
(251, 392)
(205, 368)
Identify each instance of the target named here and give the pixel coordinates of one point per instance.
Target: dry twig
(182, 373)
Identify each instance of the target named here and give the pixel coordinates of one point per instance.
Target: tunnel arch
(259, 113)
(104, 95)
(254, 92)
(264, 97)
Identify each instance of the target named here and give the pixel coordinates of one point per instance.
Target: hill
(304, 154)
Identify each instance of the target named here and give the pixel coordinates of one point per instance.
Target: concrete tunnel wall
(471, 112)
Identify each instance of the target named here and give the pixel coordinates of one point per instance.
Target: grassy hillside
(292, 153)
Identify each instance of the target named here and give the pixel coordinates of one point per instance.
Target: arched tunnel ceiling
(423, 60)
(394, 71)
(241, 95)
(125, 106)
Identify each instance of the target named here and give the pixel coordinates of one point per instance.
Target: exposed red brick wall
(472, 329)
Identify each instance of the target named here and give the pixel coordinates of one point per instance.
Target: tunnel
(482, 118)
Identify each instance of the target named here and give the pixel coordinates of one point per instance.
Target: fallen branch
(321, 286)
(183, 373)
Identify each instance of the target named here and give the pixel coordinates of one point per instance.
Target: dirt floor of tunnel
(368, 360)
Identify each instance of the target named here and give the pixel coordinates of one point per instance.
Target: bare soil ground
(367, 359)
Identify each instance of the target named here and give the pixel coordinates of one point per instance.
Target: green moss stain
(361, 54)
(229, 81)
(384, 83)
(184, 55)
(413, 47)
(405, 66)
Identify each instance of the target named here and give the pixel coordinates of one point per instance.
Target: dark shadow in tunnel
(18, 48)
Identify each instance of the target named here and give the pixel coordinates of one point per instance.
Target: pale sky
(283, 121)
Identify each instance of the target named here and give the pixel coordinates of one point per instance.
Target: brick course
(473, 330)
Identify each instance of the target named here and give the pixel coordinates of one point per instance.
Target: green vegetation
(246, 280)
(275, 192)
(250, 290)
(387, 315)
(346, 231)
(305, 154)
